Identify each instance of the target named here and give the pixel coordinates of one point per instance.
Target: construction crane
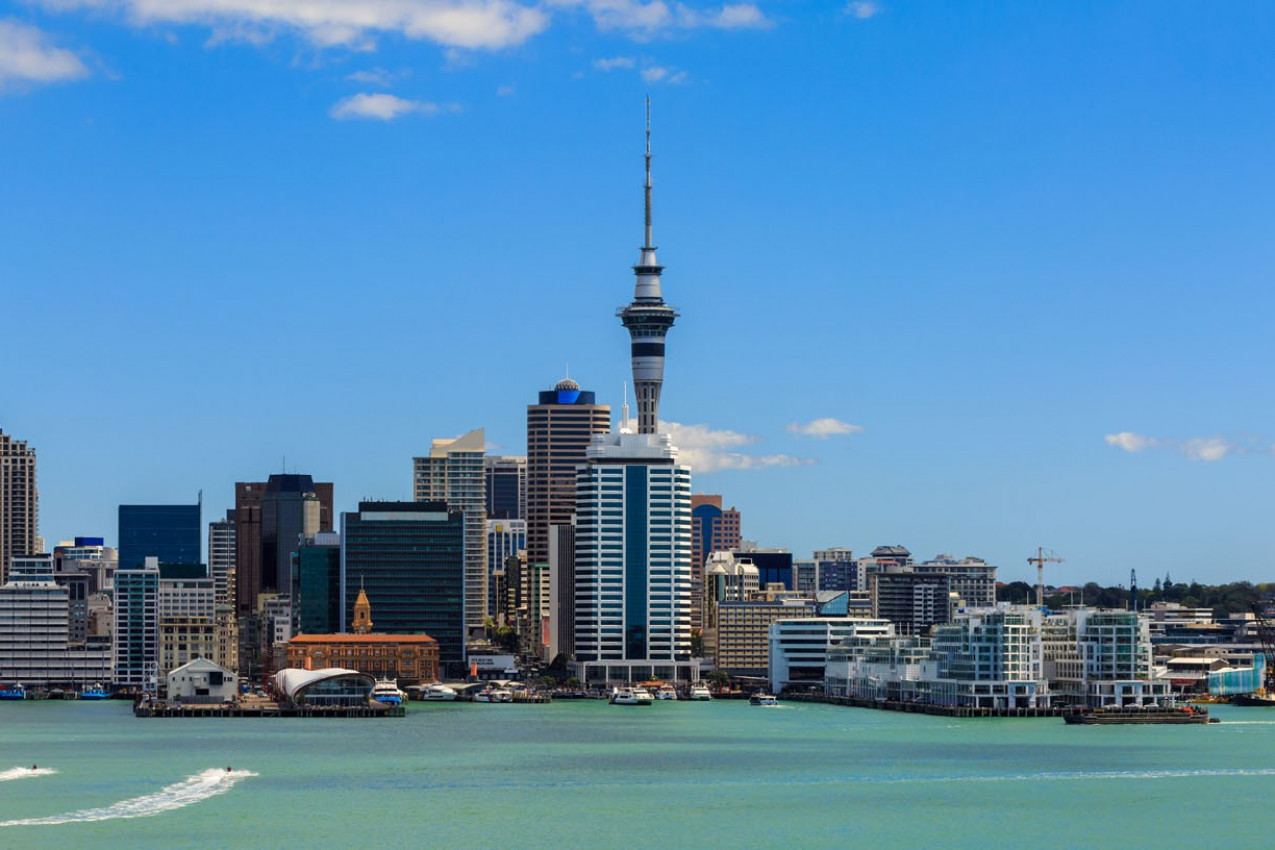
(1040, 560)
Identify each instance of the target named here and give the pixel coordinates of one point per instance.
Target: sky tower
(648, 318)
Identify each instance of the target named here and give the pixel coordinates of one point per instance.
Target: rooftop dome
(567, 385)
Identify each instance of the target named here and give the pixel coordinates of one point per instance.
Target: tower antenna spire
(647, 243)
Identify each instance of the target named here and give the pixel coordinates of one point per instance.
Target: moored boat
(386, 691)
(95, 691)
(1259, 700)
(631, 696)
(700, 693)
(14, 691)
(1133, 715)
(438, 692)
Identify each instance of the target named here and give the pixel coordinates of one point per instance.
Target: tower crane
(1040, 560)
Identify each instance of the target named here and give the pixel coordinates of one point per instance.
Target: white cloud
(862, 9)
(658, 74)
(614, 63)
(27, 56)
(375, 77)
(489, 24)
(824, 428)
(1193, 448)
(646, 19)
(709, 450)
(382, 107)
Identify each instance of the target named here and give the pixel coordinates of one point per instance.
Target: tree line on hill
(1237, 597)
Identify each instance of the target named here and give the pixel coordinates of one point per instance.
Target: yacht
(700, 693)
(386, 691)
(763, 699)
(14, 691)
(438, 692)
(631, 696)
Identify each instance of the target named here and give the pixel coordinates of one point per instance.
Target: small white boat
(494, 695)
(763, 699)
(438, 692)
(386, 691)
(631, 696)
(700, 693)
(666, 692)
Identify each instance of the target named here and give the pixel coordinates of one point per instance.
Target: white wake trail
(193, 789)
(24, 773)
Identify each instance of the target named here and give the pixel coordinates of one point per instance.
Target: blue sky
(1016, 258)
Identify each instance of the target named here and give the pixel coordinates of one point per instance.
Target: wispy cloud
(376, 77)
(614, 63)
(28, 57)
(646, 19)
(660, 74)
(862, 9)
(1194, 448)
(383, 107)
(708, 449)
(487, 24)
(824, 428)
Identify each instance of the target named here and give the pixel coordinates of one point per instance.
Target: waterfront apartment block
(633, 561)
(798, 653)
(1099, 658)
(35, 644)
(19, 502)
(453, 472)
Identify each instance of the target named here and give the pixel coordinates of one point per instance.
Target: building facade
(633, 561)
(713, 529)
(409, 557)
(170, 533)
(136, 633)
(19, 502)
(453, 472)
(36, 645)
(411, 659)
(506, 487)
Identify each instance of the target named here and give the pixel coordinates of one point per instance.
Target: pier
(927, 708)
(152, 708)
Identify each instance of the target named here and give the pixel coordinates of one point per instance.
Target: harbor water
(588, 774)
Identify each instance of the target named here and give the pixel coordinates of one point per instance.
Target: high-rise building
(221, 568)
(136, 636)
(506, 538)
(647, 318)
(453, 473)
(633, 561)
(169, 533)
(37, 646)
(409, 558)
(270, 519)
(187, 621)
(318, 584)
(506, 486)
(19, 502)
(713, 529)
(560, 427)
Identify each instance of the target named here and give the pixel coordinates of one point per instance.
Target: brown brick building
(412, 659)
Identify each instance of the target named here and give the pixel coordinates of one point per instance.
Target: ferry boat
(631, 696)
(1255, 700)
(763, 699)
(95, 691)
(386, 691)
(14, 691)
(700, 693)
(494, 695)
(438, 692)
(666, 692)
(1133, 715)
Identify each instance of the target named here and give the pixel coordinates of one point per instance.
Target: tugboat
(1135, 715)
(14, 691)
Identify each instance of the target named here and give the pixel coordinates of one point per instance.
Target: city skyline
(928, 302)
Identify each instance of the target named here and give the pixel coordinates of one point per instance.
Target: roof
(344, 638)
(293, 682)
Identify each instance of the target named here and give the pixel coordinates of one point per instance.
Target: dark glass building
(171, 533)
(773, 567)
(505, 482)
(316, 592)
(409, 557)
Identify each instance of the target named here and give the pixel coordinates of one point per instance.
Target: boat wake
(24, 773)
(193, 789)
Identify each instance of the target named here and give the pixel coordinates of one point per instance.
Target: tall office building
(270, 518)
(19, 502)
(453, 473)
(221, 558)
(560, 428)
(506, 486)
(409, 558)
(169, 533)
(317, 588)
(633, 561)
(647, 318)
(713, 529)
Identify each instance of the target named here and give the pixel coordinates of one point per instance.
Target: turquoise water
(589, 774)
